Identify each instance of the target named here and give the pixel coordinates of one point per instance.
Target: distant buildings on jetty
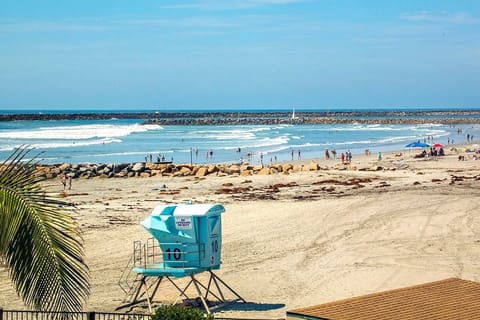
(262, 118)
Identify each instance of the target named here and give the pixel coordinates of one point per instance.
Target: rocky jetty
(148, 169)
(265, 118)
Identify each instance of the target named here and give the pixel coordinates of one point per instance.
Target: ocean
(130, 140)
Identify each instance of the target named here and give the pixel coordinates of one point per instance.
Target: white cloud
(455, 18)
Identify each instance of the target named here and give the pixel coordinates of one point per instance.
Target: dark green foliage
(40, 242)
(179, 312)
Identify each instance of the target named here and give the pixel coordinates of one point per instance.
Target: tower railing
(177, 255)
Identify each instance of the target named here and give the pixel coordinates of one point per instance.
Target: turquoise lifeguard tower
(187, 240)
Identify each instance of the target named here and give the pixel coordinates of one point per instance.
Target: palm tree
(40, 243)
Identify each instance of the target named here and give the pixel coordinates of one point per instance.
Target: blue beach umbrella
(417, 144)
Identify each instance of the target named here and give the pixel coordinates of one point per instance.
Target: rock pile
(263, 118)
(147, 169)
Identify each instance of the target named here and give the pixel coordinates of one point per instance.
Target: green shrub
(179, 312)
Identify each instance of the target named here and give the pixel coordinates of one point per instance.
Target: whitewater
(130, 140)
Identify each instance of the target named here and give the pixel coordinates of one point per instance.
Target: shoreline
(365, 162)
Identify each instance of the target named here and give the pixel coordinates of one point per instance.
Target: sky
(234, 54)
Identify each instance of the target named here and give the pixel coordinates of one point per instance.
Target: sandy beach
(300, 239)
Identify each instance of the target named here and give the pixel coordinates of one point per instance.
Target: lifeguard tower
(187, 240)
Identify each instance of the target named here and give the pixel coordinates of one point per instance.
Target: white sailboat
(293, 114)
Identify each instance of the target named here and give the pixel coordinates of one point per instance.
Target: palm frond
(40, 241)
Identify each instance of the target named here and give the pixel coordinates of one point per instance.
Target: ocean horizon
(239, 109)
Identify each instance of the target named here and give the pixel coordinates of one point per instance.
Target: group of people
(292, 153)
(434, 152)
(160, 158)
(346, 157)
(327, 154)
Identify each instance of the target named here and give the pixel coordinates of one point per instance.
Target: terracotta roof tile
(446, 299)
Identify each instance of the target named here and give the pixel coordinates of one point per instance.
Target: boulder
(155, 173)
(313, 166)
(212, 169)
(278, 167)
(258, 167)
(65, 166)
(185, 171)
(246, 172)
(138, 167)
(203, 171)
(233, 169)
(245, 167)
(297, 168)
(264, 171)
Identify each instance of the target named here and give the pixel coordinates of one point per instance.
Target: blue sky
(224, 54)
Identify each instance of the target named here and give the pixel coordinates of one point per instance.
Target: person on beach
(334, 153)
(64, 181)
(379, 156)
(343, 158)
(69, 182)
(299, 155)
(327, 154)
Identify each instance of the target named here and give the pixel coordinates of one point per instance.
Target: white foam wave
(305, 145)
(53, 145)
(245, 133)
(424, 131)
(358, 127)
(267, 142)
(80, 132)
(141, 154)
(260, 143)
(430, 125)
(389, 140)
(226, 135)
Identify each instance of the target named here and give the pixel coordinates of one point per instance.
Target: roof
(446, 299)
(188, 209)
